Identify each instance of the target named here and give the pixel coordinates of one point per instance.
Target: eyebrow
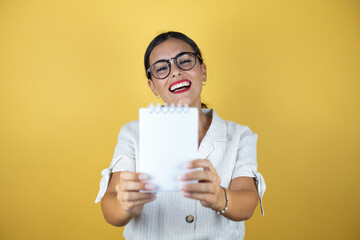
(162, 60)
(168, 59)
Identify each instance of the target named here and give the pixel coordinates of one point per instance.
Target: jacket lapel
(216, 132)
(206, 147)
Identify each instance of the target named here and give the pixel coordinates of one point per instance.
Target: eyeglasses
(184, 61)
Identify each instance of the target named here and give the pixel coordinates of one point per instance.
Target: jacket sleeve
(123, 159)
(246, 162)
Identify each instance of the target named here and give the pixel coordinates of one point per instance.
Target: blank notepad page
(168, 139)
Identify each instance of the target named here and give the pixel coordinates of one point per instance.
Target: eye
(161, 67)
(185, 61)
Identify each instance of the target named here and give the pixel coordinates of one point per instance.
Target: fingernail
(182, 177)
(142, 177)
(149, 186)
(186, 194)
(184, 186)
(188, 165)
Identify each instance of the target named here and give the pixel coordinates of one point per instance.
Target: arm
(243, 199)
(242, 194)
(122, 200)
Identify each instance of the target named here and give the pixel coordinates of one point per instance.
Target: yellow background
(71, 74)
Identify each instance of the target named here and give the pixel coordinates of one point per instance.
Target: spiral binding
(165, 108)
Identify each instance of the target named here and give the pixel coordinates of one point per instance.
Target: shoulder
(232, 128)
(130, 129)
(133, 125)
(241, 130)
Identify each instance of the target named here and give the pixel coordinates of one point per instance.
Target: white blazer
(232, 150)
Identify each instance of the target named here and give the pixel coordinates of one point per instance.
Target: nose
(174, 70)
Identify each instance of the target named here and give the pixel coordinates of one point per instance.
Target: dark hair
(162, 38)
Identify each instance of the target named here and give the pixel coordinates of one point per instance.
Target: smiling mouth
(180, 86)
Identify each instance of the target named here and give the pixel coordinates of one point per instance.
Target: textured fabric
(232, 150)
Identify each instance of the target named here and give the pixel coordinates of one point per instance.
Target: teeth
(179, 85)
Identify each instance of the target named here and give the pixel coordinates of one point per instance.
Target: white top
(230, 147)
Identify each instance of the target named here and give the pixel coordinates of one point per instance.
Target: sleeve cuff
(104, 182)
(260, 185)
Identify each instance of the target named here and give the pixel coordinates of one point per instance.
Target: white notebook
(168, 139)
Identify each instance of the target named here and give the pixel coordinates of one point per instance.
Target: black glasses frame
(176, 63)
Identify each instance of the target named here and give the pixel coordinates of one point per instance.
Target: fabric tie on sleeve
(103, 184)
(260, 184)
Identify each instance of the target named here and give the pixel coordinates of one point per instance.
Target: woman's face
(180, 87)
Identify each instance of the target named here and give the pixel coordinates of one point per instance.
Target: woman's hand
(208, 189)
(128, 192)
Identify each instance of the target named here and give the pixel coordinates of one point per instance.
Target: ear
(204, 74)
(152, 87)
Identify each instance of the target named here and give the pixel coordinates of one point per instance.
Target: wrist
(220, 201)
(223, 203)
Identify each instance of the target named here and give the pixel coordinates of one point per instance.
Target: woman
(229, 185)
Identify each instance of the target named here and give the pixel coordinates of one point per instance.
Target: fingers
(204, 197)
(199, 188)
(205, 176)
(135, 207)
(129, 189)
(208, 187)
(206, 193)
(130, 186)
(131, 181)
(208, 174)
(200, 163)
(142, 202)
(135, 196)
(136, 186)
(132, 176)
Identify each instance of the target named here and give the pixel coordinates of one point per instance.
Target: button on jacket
(230, 147)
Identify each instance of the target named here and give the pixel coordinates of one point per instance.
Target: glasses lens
(160, 69)
(186, 61)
